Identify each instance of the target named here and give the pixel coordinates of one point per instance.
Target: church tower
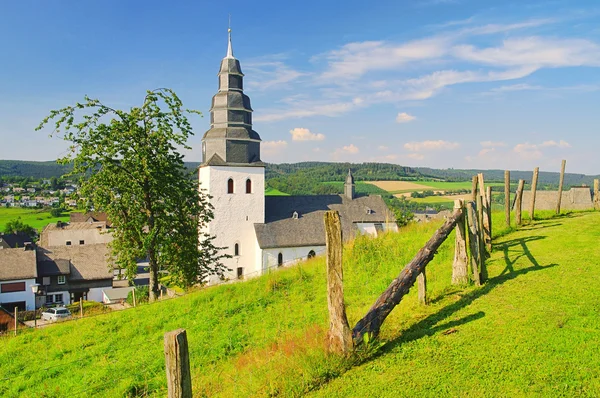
(232, 172)
(349, 187)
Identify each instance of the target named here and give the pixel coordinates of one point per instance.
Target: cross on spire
(229, 50)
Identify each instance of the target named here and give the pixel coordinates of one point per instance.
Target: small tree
(129, 166)
(16, 226)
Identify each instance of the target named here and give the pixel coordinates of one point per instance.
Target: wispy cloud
(273, 147)
(552, 143)
(429, 145)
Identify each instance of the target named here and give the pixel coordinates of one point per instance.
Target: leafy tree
(129, 166)
(56, 211)
(16, 226)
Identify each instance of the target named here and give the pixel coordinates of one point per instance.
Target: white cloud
(345, 151)
(561, 144)
(306, 109)
(404, 118)
(488, 144)
(383, 148)
(302, 134)
(430, 145)
(350, 148)
(528, 151)
(533, 51)
(273, 147)
(416, 156)
(486, 151)
(516, 87)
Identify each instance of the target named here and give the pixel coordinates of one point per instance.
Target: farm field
(530, 330)
(398, 187)
(274, 192)
(37, 218)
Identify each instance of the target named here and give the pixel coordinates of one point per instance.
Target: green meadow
(37, 218)
(531, 330)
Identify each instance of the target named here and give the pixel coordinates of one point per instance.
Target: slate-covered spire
(349, 187)
(230, 139)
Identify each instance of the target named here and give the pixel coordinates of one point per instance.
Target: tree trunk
(474, 245)
(153, 284)
(339, 336)
(597, 194)
(460, 267)
(507, 198)
(377, 314)
(534, 180)
(519, 202)
(560, 185)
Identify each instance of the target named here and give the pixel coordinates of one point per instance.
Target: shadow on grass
(431, 324)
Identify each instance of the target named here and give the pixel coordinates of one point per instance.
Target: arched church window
(248, 186)
(311, 254)
(236, 249)
(280, 259)
(230, 185)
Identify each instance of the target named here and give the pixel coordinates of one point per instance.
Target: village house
(18, 272)
(264, 232)
(82, 229)
(12, 241)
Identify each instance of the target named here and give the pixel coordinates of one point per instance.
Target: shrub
(141, 295)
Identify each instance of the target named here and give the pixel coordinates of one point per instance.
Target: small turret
(349, 187)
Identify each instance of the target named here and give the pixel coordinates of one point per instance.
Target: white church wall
(236, 213)
(366, 229)
(291, 255)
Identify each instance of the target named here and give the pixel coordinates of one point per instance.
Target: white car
(56, 314)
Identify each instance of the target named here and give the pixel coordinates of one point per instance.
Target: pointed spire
(229, 50)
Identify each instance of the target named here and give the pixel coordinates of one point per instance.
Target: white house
(262, 233)
(18, 272)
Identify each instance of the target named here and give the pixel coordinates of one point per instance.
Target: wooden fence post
(560, 185)
(80, 307)
(519, 202)
(422, 287)
(534, 180)
(482, 246)
(507, 198)
(460, 267)
(488, 209)
(484, 222)
(16, 319)
(474, 244)
(474, 188)
(177, 364)
(597, 194)
(339, 336)
(133, 296)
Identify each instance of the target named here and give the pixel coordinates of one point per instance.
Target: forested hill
(318, 172)
(545, 177)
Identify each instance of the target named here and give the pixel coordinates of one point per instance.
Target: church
(262, 233)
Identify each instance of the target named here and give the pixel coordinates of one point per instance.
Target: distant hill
(327, 171)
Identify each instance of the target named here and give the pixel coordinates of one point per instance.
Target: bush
(141, 295)
(56, 212)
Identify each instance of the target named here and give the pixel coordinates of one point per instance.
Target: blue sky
(439, 83)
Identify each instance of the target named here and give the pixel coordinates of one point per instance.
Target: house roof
(282, 230)
(53, 267)
(86, 262)
(17, 264)
(114, 294)
(90, 216)
(15, 240)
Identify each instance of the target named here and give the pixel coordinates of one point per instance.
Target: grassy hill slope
(532, 329)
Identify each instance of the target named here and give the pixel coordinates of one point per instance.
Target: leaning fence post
(474, 244)
(597, 194)
(560, 185)
(339, 336)
(507, 198)
(177, 364)
(519, 202)
(474, 188)
(460, 267)
(534, 181)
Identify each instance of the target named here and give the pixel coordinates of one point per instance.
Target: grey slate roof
(86, 262)
(282, 230)
(59, 266)
(17, 264)
(14, 240)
